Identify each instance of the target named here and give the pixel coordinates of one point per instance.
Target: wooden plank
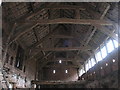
(77, 14)
(67, 21)
(64, 7)
(63, 36)
(57, 66)
(58, 82)
(65, 59)
(63, 49)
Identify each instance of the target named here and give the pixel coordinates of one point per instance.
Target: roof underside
(45, 41)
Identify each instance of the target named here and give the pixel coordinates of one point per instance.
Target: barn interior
(59, 45)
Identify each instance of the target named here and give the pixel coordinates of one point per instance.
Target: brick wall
(60, 74)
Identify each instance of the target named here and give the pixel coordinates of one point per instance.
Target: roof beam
(67, 21)
(107, 32)
(101, 17)
(96, 15)
(63, 36)
(63, 49)
(72, 60)
(66, 59)
(77, 14)
(64, 7)
(59, 21)
(68, 66)
(46, 7)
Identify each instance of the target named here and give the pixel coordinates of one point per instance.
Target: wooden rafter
(65, 59)
(107, 32)
(63, 49)
(56, 7)
(92, 33)
(65, 7)
(101, 17)
(67, 21)
(68, 66)
(59, 21)
(63, 36)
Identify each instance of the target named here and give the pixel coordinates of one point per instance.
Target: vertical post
(36, 69)
(77, 14)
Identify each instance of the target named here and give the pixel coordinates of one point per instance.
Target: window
(89, 62)
(104, 52)
(106, 64)
(87, 67)
(60, 61)
(93, 61)
(98, 56)
(54, 71)
(82, 71)
(110, 46)
(113, 60)
(66, 71)
(115, 43)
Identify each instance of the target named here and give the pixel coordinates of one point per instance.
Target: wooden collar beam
(67, 21)
(62, 49)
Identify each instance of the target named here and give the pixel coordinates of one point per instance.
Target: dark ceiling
(58, 40)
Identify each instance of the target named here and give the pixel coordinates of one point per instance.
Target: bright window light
(0, 2)
(106, 64)
(60, 61)
(117, 35)
(66, 71)
(81, 72)
(113, 60)
(104, 52)
(89, 62)
(87, 67)
(82, 78)
(54, 71)
(10, 85)
(115, 43)
(93, 61)
(110, 46)
(98, 56)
